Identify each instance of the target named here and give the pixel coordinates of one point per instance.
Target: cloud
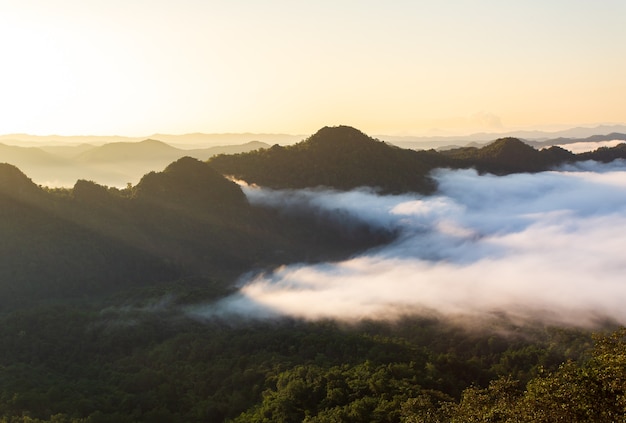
(584, 146)
(548, 245)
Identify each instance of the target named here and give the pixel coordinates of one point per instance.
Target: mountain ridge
(345, 158)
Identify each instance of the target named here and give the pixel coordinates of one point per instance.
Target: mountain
(129, 151)
(344, 158)
(605, 154)
(113, 164)
(190, 183)
(481, 138)
(564, 141)
(199, 138)
(192, 140)
(66, 151)
(338, 157)
(207, 153)
(29, 156)
(508, 155)
(185, 221)
(14, 185)
(189, 220)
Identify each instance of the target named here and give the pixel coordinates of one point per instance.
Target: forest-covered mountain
(338, 157)
(97, 284)
(187, 220)
(345, 158)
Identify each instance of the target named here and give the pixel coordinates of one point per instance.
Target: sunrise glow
(422, 67)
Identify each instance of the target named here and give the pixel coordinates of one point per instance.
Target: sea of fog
(550, 246)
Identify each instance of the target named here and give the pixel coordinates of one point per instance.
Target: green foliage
(591, 391)
(139, 358)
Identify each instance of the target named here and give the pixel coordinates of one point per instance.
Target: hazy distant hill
(535, 138)
(129, 151)
(568, 140)
(198, 138)
(193, 140)
(206, 153)
(66, 151)
(112, 164)
(29, 156)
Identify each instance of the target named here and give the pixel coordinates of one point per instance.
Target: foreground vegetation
(139, 360)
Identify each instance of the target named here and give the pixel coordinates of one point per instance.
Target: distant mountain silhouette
(29, 156)
(113, 164)
(130, 151)
(568, 140)
(542, 138)
(206, 153)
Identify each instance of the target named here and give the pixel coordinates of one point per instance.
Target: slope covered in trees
(187, 220)
(508, 155)
(339, 157)
(344, 158)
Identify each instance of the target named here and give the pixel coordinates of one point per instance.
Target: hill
(508, 155)
(605, 154)
(339, 157)
(122, 151)
(113, 164)
(185, 221)
(569, 140)
(344, 158)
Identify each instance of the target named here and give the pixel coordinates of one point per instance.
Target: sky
(546, 246)
(419, 67)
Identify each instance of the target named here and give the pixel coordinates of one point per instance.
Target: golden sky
(138, 67)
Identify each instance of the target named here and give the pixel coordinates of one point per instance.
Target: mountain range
(58, 161)
(345, 158)
(547, 138)
(188, 220)
(111, 164)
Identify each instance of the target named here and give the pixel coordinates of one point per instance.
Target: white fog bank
(550, 245)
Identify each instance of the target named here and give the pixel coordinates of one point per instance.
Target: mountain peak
(339, 157)
(338, 135)
(15, 182)
(507, 145)
(192, 182)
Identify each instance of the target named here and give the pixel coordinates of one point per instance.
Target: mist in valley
(544, 246)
